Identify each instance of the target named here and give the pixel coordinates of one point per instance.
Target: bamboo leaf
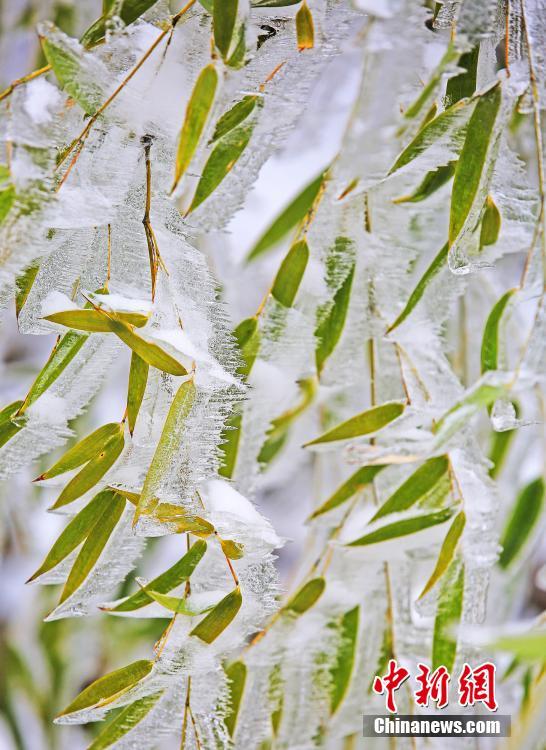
(247, 336)
(105, 689)
(447, 552)
(416, 487)
(129, 11)
(7, 199)
(491, 223)
(365, 423)
(75, 532)
(342, 669)
(231, 549)
(229, 447)
(448, 616)
(357, 481)
(197, 113)
(93, 546)
(490, 340)
(178, 605)
(219, 618)
(472, 160)
(273, 3)
(224, 15)
(404, 527)
(236, 675)
(500, 442)
(235, 116)
(432, 182)
(138, 377)
(464, 85)
(451, 54)
(306, 596)
(305, 29)
(178, 573)
(150, 352)
(84, 450)
(67, 66)
(93, 321)
(24, 284)
(524, 517)
(289, 276)
(480, 396)
(177, 515)
(529, 646)
(128, 719)
(8, 428)
(289, 217)
(331, 326)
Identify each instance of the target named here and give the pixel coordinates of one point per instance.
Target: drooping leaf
(447, 552)
(528, 646)
(342, 669)
(365, 423)
(354, 484)
(448, 615)
(480, 396)
(178, 573)
(224, 15)
(177, 604)
(416, 487)
(404, 527)
(432, 182)
(235, 116)
(231, 549)
(67, 67)
(122, 724)
(490, 340)
(247, 336)
(500, 442)
(524, 517)
(105, 689)
(93, 545)
(9, 428)
(289, 276)
(491, 223)
(306, 596)
(273, 3)
(462, 86)
(229, 448)
(414, 110)
(197, 113)
(75, 532)
(84, 450)
(236, 674)
(305, 29)
(93, 321)
(177, 516)
(138, 377)
(289, 217)
(219, 618)
(472, 160)
(330, 328)
(23, 285)
(129, 12)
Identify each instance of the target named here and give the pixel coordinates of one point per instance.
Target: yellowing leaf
(365, 423)
(84, 450)
(447, 552)
(305, 29)
(177, 604)
(138, 377)
(231, 549)
(306, 596)
(93, 321)
(219, 618)
(491, 223)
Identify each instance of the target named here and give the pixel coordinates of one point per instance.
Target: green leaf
(168, 445)
(178, 573)
(404, 527)
(306, 596)
(176, 604)
(416, 487)
(419, 290)
(273, 3)
(229, 447)
(219, 618)
(463, 86)
(491, 223)
(235, 116)
(451, 54)
(220, 163)
(92, 472)
(93, 321)
(480, 396)
(447, 552)
(490, 340)
(9, 429)
(432, 182)
(224, 16)
(84, 450)
(342, 669)
(75, 532)
(289, 276)
(7, 199)
(138, 377)
(305, 30)
(110, 686)
(354, 484)
(247, 336)
(236, 674)
(197, 113)
(93, 545)
(67, 66)
(289, 217)
(500, 442)
(330, 328)
(525, 514)
(367, 422)
(448, 616)
(24, 284)
(128, 719)
(129, 12)
(472, 160)
(529, 646)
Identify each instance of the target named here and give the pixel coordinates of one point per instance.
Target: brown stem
(19, 81)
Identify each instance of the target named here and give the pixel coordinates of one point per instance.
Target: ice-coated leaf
(150, 352)
(451, 54)
(23, 285)
(76, 531)
(105, 689)
(219, 617)
(365, 423)
(8, 428)
(490, 340)
(93, 321)
(342, 669)
(67, 67)
(7, 199)
(491, 223)
(480, 396)
(289, 276)
(128, 11)
(416, 487)
(523, 519)
(177, 604)
(305, 29)
(354, 484)
(422, 284)
(331, 326)
(448, 616)
(247, 336)
(93, 545)
(235, 116)
(197, 114)
(230, 445)
(138, 377)
(231, 549)
(84, 450)
(236, 675)
(176, 515)
(273, 3)
(404, 527)
(129, 718)
(178, 573)
(168, 444)
(289, 218)
(500, 442)
(224, 16)
(472, 160)
(447, 552)
(306, 596)
(528, 646)
(462, 86)
(432, 182)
